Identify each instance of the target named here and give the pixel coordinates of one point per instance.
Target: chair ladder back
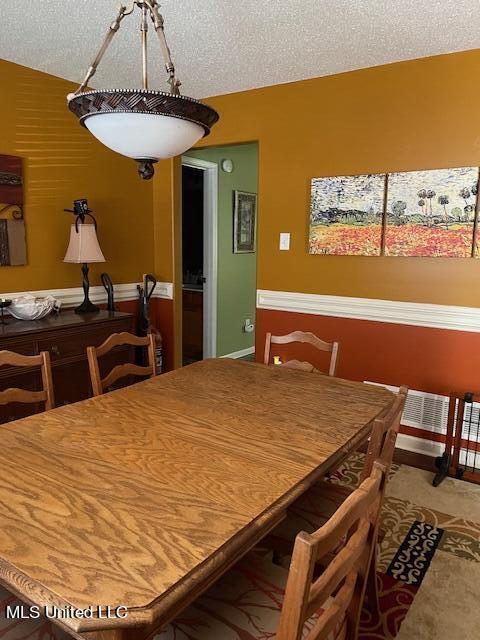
(121, 339)
(120, 371)
(381, 427)
(47, 380)
(94, 369)
(295, 604)
(266, 353)
(305, 337)
(333, 359)
(343, 521)
(343, 563)
(342, 582)
(46, 395)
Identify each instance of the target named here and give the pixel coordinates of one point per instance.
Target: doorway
(225, 180)
(199, 259)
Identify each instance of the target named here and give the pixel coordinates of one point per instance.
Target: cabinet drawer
(75, 344)
(24, 348)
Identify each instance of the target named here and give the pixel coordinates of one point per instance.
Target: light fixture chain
(123, 11)
(146, 6)
(144, 30)
(157, 20)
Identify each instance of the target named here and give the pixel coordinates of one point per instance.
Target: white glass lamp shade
(144, 136)
(83, 246)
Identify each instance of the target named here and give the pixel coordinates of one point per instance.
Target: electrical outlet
(248, 326)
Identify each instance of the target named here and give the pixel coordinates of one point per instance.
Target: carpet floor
(429, 560)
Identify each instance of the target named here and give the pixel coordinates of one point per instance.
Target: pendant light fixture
(143, 124)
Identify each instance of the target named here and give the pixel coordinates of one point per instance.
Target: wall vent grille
(429, 412)
(423, 410)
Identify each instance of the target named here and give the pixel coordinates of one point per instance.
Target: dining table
(121, 509)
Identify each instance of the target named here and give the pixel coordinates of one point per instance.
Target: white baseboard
(73, 296)
(392, 311)
(240, 354)
(419, 445)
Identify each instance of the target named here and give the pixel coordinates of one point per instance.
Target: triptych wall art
(416, 213)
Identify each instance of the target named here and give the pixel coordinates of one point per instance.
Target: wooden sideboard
(66, 336)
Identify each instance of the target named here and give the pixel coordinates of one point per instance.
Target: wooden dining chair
(389, 417)
(99, 385)
(45, 396)
(306, 338)
(390, 421)
(318, 503)
(257, 599)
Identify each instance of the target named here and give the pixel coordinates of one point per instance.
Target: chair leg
(278, 545)
(371, 586)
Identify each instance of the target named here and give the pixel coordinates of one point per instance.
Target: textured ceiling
(221, 46)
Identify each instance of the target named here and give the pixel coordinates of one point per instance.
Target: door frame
(210, 250)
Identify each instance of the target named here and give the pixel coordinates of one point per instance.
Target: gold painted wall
(63, 162)
(406, 116)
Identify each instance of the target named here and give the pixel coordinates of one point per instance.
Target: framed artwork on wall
(346, 215)
(431, 213)
(13, 250)
(244, 221)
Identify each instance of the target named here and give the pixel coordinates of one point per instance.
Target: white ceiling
(221, 46)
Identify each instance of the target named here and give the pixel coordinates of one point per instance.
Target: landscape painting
(346, 215)
(431, 213)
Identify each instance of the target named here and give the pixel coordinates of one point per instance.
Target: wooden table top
(120, 499)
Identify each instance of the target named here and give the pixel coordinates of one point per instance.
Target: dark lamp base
(87, 307)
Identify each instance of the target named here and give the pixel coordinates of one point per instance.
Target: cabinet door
(71, 382)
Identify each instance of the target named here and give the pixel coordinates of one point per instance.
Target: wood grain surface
(138, 497)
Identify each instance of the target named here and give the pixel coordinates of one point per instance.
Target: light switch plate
(284, 242)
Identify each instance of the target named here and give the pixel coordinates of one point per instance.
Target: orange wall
(426, 359)
(433, 360)
(405, 116)
(63, 162)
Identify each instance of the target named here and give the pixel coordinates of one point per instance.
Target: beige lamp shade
(83, 246)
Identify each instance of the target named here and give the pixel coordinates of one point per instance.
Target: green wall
(236, 272)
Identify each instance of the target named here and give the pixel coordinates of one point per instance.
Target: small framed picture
(244, 221)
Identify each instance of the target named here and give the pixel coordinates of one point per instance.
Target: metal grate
(427, 411)
(456, 417)
(462, 448)
(469, 456)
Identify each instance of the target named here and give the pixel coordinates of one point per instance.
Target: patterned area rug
(429, 560)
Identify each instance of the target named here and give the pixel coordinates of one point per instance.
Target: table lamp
(84, 249)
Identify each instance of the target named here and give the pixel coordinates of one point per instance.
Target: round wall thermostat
(227, 166)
